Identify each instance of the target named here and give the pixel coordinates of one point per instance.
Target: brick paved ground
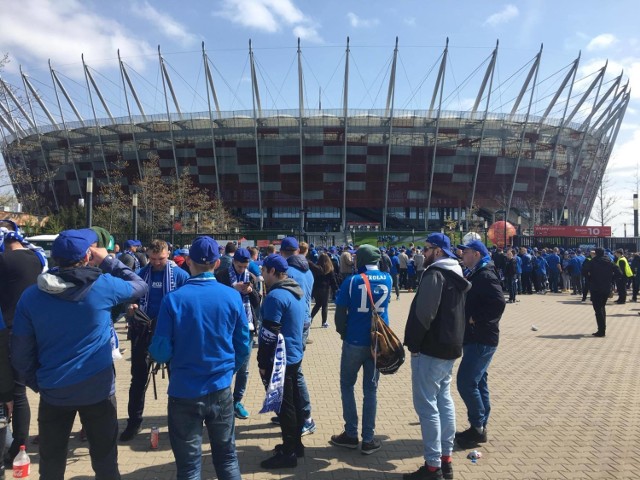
(565, 406)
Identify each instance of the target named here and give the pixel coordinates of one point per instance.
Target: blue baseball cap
(289, 243)
(275, 261)
(242, 255)
(441, 241)
(73, 245)
(476, 245)
(132, 243)
(204, 251)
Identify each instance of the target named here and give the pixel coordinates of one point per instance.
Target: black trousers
(322, 302)
(291, 415)
(621, 285)
(139, 375)
(100, 423)
(20, 421)
(599, 302)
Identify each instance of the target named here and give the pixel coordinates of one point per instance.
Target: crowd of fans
(199, 310)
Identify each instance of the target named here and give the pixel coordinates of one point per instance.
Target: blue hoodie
(61, 342)
(299, 271)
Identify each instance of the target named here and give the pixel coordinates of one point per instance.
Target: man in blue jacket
(299, 271)
(203, 334)
(61, 348)
(483, 309)
(283, 313)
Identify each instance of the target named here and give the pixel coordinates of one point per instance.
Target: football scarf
(168, 282)
(275, 389)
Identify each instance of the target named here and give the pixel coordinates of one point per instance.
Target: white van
(44, 241)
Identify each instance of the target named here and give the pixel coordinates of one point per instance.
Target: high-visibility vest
(624, 268)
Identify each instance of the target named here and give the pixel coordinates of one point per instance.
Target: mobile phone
(247, 283)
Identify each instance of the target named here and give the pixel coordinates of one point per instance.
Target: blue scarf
(168, 281)
(6, 234)
(275, 390)
(242, 278)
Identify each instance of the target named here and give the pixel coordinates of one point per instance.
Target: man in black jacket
(433, 335)
(483, 310)
(601, 272)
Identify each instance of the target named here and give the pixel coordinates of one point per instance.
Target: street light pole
(461, 229)
(565, 215)
(196, 218)
(89, 205)
(486, 228)
(134, 221)
(635, 214)
(172, 217)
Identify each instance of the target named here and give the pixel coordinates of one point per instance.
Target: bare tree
(605, 207)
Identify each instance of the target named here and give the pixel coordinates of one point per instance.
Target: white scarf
(275, 390)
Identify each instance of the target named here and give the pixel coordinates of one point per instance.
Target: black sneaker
(280, 460)
(423, 473)
(299, 450)
(447, 470)
(129, 432)
(598, 334)
(470, 438)
(275, 420)
(344, 440)
(370, 447)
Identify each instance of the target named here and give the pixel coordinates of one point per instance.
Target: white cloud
(509, 12)
(38, 30)
(308, 33)
(629, 65)
(411, 21)
(269, 16)
(357, 22)
(163, 23)
(601, 42)
(266, 15)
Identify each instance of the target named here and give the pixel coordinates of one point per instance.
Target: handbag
(386, 348)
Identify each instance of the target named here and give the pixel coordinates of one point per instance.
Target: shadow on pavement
(576, 336)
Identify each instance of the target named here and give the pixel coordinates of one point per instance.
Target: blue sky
(34, 31)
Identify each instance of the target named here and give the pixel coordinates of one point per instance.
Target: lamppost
(172, 217)
(89, 199)
(486, 228)
(461, 229)
(625, 230)
(635, 214)
(413, 235)
(565, 215)
(134, 213)
(519, 228)
(196, 218)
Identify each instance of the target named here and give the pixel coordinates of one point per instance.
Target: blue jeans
(353, 359)
(242, 377)
(302, 383)
(431, 382)
(186, 416)
(512, 286)
(472, 382)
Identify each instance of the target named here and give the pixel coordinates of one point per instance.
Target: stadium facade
(327, 169)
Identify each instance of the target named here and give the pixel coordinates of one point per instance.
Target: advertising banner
(571, 231)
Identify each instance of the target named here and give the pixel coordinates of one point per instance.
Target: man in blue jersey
(283, 312)
(61, 348)
(163, 276)
(203, 334)
(299, 271)
(353, 323)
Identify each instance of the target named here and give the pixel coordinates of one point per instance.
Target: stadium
(540, 158)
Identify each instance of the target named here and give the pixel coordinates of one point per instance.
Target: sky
(32, 32)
